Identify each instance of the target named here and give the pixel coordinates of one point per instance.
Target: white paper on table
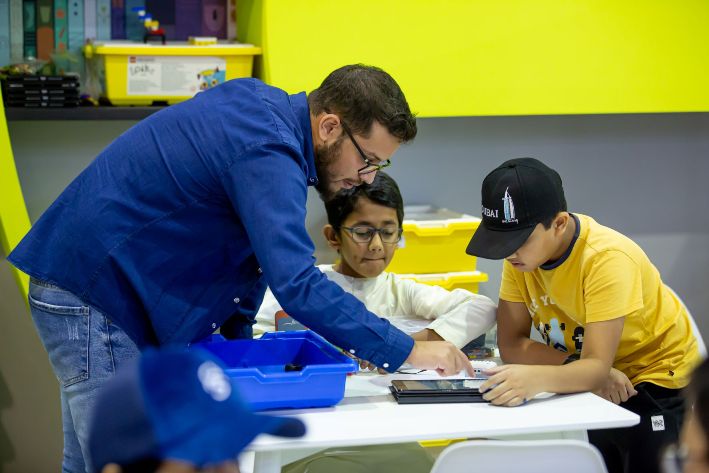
(369, 383)
(479, 366)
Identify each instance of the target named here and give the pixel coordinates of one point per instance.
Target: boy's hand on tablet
(510, 385)
(444, 357)
(618, 388)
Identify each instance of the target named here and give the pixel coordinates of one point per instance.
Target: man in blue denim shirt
(177, 227)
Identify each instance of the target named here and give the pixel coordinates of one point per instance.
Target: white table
(369, 415)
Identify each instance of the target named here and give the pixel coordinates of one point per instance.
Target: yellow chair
(440, 442)
(14, 220)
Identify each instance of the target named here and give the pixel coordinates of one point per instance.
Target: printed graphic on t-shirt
(557, 331)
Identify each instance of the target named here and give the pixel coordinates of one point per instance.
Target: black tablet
(413, 391)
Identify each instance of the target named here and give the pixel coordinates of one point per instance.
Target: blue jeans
(85, 349)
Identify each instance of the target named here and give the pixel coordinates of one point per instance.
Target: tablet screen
(430, 385)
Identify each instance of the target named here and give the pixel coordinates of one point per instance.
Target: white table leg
(267, 462)
(246, 462)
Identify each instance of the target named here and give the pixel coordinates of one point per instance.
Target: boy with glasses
(364, 226)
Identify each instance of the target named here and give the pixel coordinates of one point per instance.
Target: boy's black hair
(548, 220)
(697, 394)
(554, 208)
(383, 191)
(361, 94)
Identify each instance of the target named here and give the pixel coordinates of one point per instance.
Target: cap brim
(490, 244)
(224, 438)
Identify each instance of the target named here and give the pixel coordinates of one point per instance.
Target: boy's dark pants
(638, 448)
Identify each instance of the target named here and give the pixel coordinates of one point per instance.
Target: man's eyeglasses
(365, 233)
(368, 166)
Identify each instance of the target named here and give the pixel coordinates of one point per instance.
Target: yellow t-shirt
(606, 276)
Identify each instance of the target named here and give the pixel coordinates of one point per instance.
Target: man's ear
(329, 127)
(333, 239)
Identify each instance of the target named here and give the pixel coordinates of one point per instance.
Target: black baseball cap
(516, 196)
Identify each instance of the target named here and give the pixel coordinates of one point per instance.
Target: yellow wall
(496, 57)
(14, 221)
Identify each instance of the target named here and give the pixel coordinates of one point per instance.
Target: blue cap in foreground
(176, 404)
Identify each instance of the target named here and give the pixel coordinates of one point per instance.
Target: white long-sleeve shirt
(458, 316)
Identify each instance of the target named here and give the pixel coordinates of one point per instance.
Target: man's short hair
(360, 95)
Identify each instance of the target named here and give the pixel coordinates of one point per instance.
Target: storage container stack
(432, 250)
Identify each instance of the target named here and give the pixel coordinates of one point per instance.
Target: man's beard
(325, 156)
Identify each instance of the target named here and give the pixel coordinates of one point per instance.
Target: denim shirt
(180, 223)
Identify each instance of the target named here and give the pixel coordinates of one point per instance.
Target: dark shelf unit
(80, 113)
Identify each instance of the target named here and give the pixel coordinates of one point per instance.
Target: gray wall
(644, 175)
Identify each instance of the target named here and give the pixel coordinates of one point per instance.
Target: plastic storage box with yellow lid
(469, 280)
(434, 241)
(141, 74)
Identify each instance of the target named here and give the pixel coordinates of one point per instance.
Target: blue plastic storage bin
(284, 369)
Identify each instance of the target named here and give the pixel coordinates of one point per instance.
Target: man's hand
(365, 365)
(511, 385)
(443, 357)
(617, 388)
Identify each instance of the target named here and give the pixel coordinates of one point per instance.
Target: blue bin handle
(316, 338)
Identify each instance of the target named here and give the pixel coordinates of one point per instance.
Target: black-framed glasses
(368, 166)
(365, 234)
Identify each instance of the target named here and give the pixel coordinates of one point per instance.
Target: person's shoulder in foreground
(175, 410)
(691, 453)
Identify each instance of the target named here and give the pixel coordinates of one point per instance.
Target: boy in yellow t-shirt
(610, 324)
